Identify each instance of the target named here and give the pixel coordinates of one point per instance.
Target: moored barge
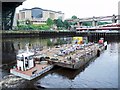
(74, 56)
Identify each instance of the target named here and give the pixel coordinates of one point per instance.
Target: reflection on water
(8, 52)
(70, 73)
(10, 47)
(102, 72)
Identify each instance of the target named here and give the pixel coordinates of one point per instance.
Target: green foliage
(55, 21)
(73, 23)
(45, 27)
(22, 27)
(59, 23)
(90, 23)
(18, 23)
(87, 24)
(60, 28)
(66, 24)
(50, 22)
(33, 27)
(74, 17)
(102, 23)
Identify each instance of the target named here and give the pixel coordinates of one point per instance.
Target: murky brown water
(102, 72)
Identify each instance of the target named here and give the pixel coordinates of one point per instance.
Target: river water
(101, 72)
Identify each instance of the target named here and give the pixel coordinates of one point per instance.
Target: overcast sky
(80, 8)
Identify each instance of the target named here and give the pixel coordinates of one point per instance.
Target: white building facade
(38, 15)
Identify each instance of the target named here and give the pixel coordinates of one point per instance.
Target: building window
(52, 15)
(37, 13)
(23, 15)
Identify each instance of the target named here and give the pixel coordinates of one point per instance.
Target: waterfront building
(38, 15)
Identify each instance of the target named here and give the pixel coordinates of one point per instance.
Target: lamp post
(27, 23)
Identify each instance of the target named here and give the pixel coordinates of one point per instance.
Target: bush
(45, 27)
(33, 27)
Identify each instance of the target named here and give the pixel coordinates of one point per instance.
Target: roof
(24, 9)
(25, 54)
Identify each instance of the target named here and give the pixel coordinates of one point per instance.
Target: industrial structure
(113, 18)
(8, 10)
(38, 15)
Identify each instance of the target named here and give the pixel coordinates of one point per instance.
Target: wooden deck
(37, 68)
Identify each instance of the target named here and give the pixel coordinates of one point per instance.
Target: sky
(79, 8)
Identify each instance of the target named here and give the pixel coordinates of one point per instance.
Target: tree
(50, 22)
(87, 23)
(55, 21)
(59, 23)
(103, 23)
(66, 24)
(18, 23)
(74, 17)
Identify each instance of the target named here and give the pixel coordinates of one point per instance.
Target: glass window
(37, 13)
(19, 58)
(30, 57)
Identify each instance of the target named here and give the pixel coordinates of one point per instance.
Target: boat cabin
(25, 61)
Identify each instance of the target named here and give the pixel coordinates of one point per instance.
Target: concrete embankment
(22, 34)
(36, 33)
